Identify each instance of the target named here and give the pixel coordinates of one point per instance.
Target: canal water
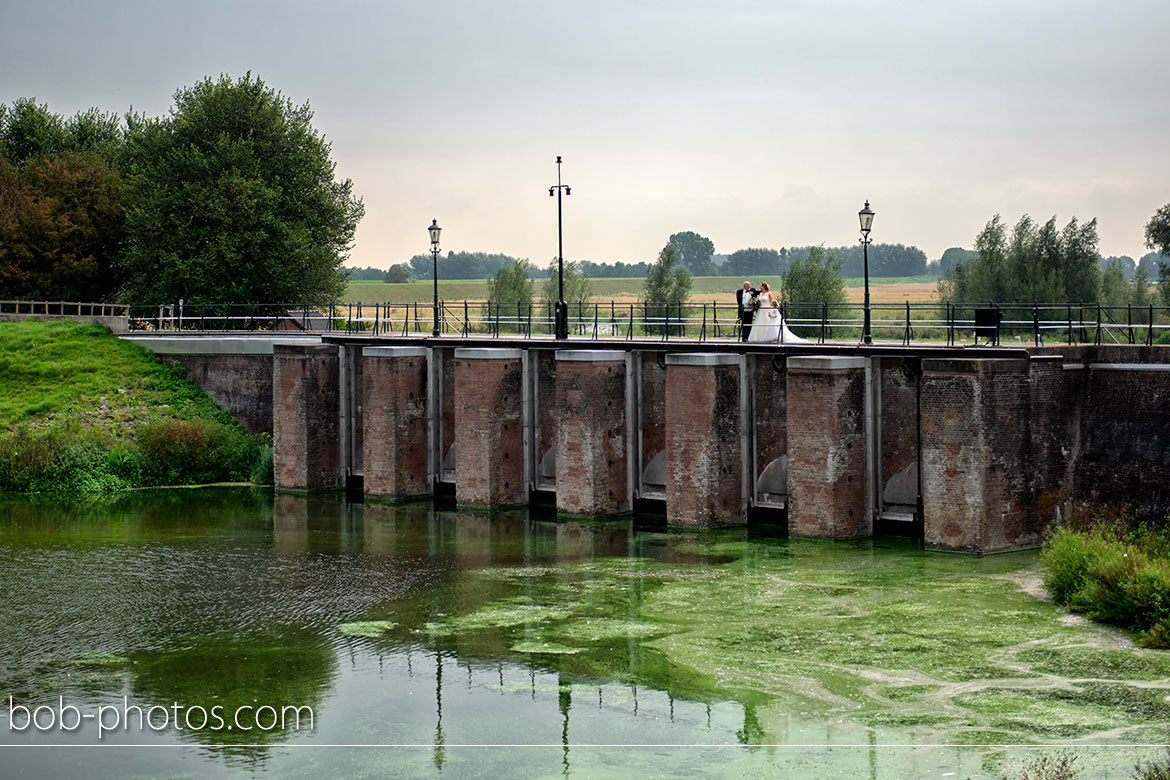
(165, 633)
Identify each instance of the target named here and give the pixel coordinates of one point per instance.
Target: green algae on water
(371, 629)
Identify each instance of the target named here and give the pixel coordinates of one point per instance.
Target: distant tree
(813, 279)
(1125, 262)
(951, 258)
(1150, 261)
(1158, 231)
(1035, 263)
(668, 282)
(884, 259)
(614, 270)
(1158, 239)
(1082, 276)
(1115, 289)
(1140, 293)
(511, 283)
(694, 252)
(578, 287)
(234, 199)
(755, 262)
(398, 274)
(367, 274)
(422, 266)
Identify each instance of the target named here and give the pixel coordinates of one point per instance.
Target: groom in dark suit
(743, 300)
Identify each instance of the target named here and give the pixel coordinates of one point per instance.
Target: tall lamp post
(434, 231)
(562, 321)
(866, 217)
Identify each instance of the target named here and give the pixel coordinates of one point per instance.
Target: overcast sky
(755, 123)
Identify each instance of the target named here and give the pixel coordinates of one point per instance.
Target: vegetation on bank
(1113, 571)
(83, 411)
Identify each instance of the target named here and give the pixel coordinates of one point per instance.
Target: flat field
(720, 289)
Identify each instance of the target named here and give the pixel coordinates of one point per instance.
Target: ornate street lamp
(562, 319)
(434, 231)
(866, 217)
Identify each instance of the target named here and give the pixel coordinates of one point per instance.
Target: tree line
(1046, 263)
(229, 197)
(693, 252)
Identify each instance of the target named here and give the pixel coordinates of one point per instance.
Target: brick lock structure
(394, 416)
(704, 441)
(1124, 452)
(591, 433)
(827, 448)
(305, 417)
(489, 432)
(998, 441)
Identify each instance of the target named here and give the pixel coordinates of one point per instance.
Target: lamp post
(866, 217)
(562, 321)
(434, 231)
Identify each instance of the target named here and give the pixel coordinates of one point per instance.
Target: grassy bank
(83, 411)
(1114, 572)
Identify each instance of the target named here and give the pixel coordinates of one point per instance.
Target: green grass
(83, 411)
(49, 369)
(476, 289)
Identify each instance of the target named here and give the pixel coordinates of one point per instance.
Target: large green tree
(234, 200)
(62, 203)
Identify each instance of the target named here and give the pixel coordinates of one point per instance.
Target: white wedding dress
(768, 324)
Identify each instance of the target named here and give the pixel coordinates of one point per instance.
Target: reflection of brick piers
(986, 446)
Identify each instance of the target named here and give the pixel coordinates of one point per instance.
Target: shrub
(176, 452)
(1154, 770)
(1051, 766)
(1113, 575)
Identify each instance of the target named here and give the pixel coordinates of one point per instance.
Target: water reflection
(413, 626)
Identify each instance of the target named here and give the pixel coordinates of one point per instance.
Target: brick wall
(306, 410)
(591, 443)
(394, 391)
(826, 448)
(703, 456)
(998, 440)
(1125, 433)
(240, 384)
(489, 435)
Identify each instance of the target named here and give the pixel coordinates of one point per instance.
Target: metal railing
(950, 323)
(63, 309)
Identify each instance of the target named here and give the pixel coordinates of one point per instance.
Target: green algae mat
(433, 643)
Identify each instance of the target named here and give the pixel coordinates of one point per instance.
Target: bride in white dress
(768, 323)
